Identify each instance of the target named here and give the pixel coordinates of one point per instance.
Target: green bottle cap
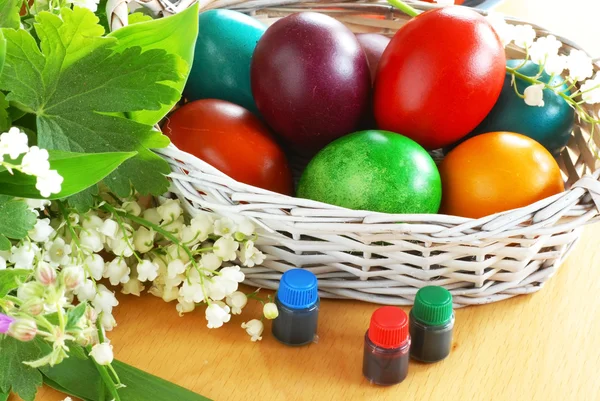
(433, 306)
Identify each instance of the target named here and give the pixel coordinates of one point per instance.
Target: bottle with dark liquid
(387, 344)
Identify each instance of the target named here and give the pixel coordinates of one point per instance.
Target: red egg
(439, 77)
(233, 140)
(310, 79)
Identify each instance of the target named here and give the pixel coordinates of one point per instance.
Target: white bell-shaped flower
(102, 353)
(254, 328)
(216, 315)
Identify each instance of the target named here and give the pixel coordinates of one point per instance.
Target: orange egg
(495, 172)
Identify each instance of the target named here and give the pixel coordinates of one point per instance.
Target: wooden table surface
(544, 346)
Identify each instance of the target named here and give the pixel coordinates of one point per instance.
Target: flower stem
(405, 8)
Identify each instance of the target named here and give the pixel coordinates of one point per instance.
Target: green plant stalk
(104, 374)
(109, 208)
(405, 8)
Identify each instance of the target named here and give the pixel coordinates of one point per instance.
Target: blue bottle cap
(298, 289)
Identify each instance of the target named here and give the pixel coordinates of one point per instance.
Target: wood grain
(539, 347)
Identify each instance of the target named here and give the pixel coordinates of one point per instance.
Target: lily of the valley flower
(117, 271)
(225, 248)
(105, 300)
(216, 315)
(580, 65)
(102, 353)
(73, 276)
(143, 240)
(236, 300)
(590, 90)
(45, 274)
(41, 231)
(13, 143)
(544, 48)
(95, 266)
(534, 95)
(254, 328)
(147, 271)
(170, 210)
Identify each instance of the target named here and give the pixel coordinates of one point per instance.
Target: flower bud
(23, 329)
(73, 277)
(33, 307)
(152, 216)
(270, 311)
(133, 208)
(102, 353)
(92, 222)
(29, 290)
(45, 274)
(170, 210)
(109, 228)
(91, 240)
(143, 240)
(108, 321)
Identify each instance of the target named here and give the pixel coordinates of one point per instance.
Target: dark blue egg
(550, 125)
(223, 53)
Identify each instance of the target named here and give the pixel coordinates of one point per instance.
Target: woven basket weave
(385, 258)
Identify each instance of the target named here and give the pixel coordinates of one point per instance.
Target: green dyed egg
(222, 57)
(550, 125)
(374, 170)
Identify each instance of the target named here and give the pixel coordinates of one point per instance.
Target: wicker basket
(385, 258)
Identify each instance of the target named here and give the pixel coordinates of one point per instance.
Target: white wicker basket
(385, 258)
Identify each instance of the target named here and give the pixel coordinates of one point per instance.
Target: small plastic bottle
(297, 300)
(387, 342)
(431, 324)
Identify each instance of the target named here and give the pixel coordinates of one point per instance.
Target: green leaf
(2, 50)
(136, 18)
(9, 13)
(14, 375)
(15, 218)
(70, 166)
(10, 279)
(60, 388)
(5, 244)
(4, 396)
(75, 315)
(5, 120)
(76, 350)
(81, 379)
(79, 87)
(175, 34)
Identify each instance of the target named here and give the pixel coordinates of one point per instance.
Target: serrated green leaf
(75, 94)
(75, 315)
(2, 50)
(176, 34)
(14, 375)
(5, 120)
(5, 244)
(9, 13)
(16, 220)
(70, 166)
(10, 279)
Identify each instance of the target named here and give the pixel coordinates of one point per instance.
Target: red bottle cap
(389, 327)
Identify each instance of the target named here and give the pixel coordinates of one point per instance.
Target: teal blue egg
(550, 125)
(223, 53)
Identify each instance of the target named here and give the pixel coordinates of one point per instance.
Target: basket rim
(538, 211)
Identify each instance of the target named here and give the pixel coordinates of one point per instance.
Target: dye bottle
(431, 324)
(385, 360)
(297, 300)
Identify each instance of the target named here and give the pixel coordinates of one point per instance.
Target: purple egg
(373, 44)
(310, 79)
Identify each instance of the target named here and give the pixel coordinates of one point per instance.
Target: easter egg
(310, 79)
(550, 125)
(495, 172)
(231, 139)
(373, 170)
(439, 77)
(373, 44)
(222, 57)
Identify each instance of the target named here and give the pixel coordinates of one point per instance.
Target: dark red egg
(310, 79)
(233, 140)
(373, 44)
